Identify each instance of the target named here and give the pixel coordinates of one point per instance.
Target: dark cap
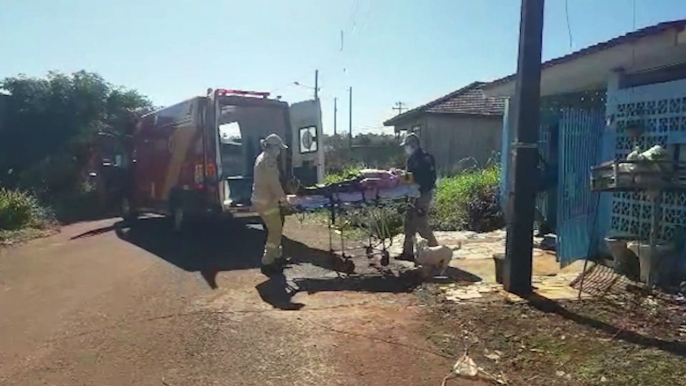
(409, 139)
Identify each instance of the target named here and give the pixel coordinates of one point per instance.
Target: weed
(19, 210)
(468, 201)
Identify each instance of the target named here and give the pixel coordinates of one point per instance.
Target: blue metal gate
(549, 119)
(580, 146)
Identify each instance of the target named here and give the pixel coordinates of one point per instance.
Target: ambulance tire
(127, 213)
(178, 218)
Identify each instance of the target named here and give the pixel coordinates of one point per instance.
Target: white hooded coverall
(267, 194)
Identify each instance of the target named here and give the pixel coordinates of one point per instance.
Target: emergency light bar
(224, 92)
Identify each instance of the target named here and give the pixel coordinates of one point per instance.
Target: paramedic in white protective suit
(268, 198)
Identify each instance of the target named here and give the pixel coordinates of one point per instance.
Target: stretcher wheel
(349, 267)
(385, 259)
(370, 252)
(338, 264)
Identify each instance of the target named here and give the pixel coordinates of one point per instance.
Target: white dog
(431, 259)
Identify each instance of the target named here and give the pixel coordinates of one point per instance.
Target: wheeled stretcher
(370, 199)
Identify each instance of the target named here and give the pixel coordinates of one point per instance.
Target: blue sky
(393, 50)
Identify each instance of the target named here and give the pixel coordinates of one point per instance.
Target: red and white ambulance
(196, 158)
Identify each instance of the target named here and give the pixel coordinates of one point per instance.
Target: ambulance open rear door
(307, 141)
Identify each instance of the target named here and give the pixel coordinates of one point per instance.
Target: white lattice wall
(660, 109)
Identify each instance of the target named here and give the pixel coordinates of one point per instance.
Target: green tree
(51, 124)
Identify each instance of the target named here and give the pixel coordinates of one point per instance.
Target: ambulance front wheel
(178, 215)
(126, 211)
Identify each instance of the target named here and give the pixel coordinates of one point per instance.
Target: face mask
(409, 150)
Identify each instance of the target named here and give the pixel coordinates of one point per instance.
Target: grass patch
(357, 224)
(20, 210)
(538, 348)
(468, 201)
(22, 217)
(23, 235)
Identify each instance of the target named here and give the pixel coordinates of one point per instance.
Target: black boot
(272, 269)
(405, 256)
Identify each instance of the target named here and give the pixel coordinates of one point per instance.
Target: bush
(84, 203)
(19, 210)
(382, 222)
(349, 172)
(468, 202)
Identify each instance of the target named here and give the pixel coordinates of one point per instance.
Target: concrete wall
(451, 138)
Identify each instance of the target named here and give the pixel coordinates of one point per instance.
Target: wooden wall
(452, 138)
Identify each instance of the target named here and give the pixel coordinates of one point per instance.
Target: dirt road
(100, 304)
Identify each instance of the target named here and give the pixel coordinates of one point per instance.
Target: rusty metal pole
(519, 247)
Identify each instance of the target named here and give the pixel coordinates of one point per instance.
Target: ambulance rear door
(307, 152)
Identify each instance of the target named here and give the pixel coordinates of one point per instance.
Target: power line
(569, 26)
(343, 44)
(353, 14)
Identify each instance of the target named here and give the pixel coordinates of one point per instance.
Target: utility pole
(335, 115)
(399, 107)
(316, 84)
(350, 119)
(519, 245)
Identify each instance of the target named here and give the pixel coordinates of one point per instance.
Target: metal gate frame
(580, 145)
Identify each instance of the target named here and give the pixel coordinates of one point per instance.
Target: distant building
(463, 124)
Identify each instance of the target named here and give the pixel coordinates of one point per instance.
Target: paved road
(100, 304)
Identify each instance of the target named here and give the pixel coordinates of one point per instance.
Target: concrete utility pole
(335, 115)
(399, 107)
(316, 84)
(519, 246)
(350, 119)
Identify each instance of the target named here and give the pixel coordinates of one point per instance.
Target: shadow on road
(277, 292)
(362, 283)
(95, 232)
(209, 248)
(385, 281)
(205, 248)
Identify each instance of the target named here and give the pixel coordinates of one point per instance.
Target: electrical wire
(324, 63)
(569, 26)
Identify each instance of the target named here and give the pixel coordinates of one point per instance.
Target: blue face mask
(409, 150)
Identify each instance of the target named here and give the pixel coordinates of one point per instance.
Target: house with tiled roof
(598, 105)
(465, 124)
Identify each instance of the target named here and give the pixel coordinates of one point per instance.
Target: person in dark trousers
(547, 180)
(423, 168)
